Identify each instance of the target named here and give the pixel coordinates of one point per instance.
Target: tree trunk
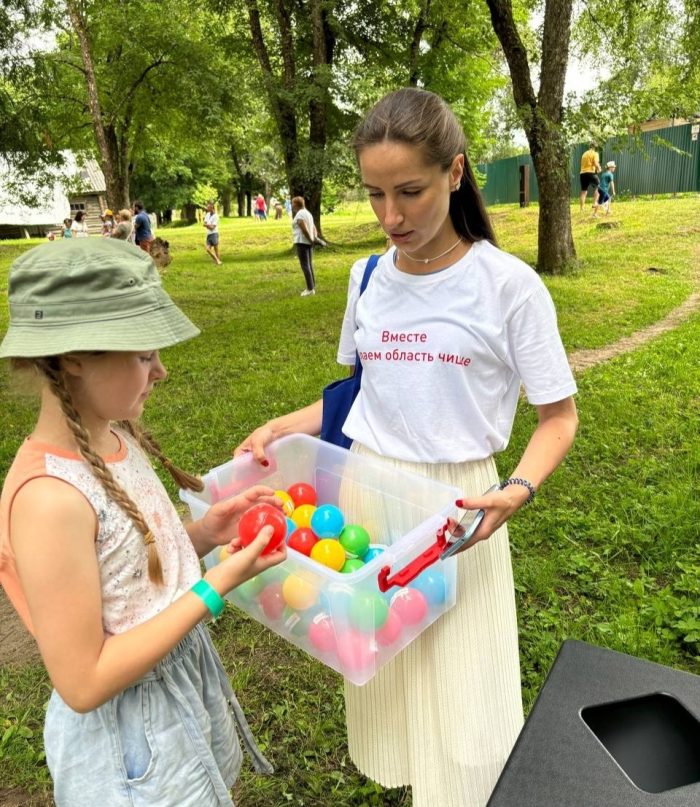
(541, 118)
(240, 201)
(226, 201)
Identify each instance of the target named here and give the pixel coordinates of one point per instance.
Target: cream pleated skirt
(444, 714)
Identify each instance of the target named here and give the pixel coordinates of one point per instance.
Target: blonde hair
(50, 369)
(124, 215)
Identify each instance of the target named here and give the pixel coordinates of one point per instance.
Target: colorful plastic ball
(431, 583)
(390, 630)
(368, 611)
(291, 527)
(302, 540)
(259, 516)
(299, 593)
(249, 590)
(288, 505)
(302, 493)
(355, 540)
(410, 606)
(330, 553)
(302, 515)
(327, 521)
(356, 652)
(352, 565)
(224, 554)
(271, 601)
(322, 633)
(372, 552)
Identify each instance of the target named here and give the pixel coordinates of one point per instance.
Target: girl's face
(410, 197)
(113, 386)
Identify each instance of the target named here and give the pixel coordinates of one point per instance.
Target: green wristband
(211, 598)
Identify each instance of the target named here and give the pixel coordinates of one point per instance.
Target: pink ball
(410, 606)
(322, 633)
(390, 631)
(355, 652)
(271, 601)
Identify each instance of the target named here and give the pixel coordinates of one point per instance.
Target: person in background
(607, 188)
(79, 225)
(260, 208)
(108, 223)
(449, 326)
(67, 229)
(211, 223)
(590, 168)
(93, 554)
(143, 234)
(123, 226)
(304, 235)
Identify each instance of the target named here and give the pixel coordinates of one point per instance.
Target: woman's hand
(220, 523)
(255, 443)
(498, 507)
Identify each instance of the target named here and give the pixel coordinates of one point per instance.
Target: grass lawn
(609, 553)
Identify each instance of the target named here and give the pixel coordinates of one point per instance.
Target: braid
(56, 381)
(149, 444)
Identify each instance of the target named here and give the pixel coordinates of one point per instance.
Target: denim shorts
(170, 739)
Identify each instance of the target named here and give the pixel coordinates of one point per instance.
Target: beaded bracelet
(516, 480)
(209, 596)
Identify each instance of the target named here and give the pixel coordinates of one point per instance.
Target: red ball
(355, 653)
(303, 540)
(410, 606)
(302, 493)
(322, 633)
(390, 631)
(259, 516)
(271, 601)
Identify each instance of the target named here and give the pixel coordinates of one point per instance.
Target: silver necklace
(437, 257)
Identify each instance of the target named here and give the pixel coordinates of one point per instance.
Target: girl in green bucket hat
(93, 555)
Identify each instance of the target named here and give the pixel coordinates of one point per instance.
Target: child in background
(607, 187)
(108, 223)
(67, 231)
(93, 555)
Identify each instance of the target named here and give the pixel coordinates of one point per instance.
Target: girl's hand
(498, 507)
(255, 444)
(220, 522)
(245, 562)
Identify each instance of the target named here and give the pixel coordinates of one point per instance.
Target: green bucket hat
(89, 294)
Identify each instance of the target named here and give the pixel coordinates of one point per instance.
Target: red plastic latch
(415, 567)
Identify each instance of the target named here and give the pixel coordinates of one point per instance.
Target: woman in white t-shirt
(79, 226)
(448, 328)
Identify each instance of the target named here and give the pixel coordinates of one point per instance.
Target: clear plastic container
(346, 620)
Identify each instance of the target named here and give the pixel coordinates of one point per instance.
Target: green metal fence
(665, 161)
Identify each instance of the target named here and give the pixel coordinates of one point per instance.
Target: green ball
(355, 540)
(296, 622)
(368, 611)
(352, 565)
(249, 590)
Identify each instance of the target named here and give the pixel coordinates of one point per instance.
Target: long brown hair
(49, 367)
(421, 118)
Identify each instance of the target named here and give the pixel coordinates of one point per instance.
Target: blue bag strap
(371, 264)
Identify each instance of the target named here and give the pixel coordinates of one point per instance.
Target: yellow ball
(330, 553)
(224, 554)
(299, 593)
(287, 502)
(302, 515)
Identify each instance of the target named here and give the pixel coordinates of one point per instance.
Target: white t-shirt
(444, 355)
(79, 229)
(308, 219)
(212, 218)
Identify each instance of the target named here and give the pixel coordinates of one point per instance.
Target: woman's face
(410, 197)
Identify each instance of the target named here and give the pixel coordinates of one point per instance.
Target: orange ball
(330, 553)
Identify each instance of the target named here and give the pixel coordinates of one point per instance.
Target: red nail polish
(459, 503)
(265, 463)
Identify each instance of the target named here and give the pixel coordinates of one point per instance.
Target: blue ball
(372, 552)
(327, 521)
(291, 526)
(432, 586)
